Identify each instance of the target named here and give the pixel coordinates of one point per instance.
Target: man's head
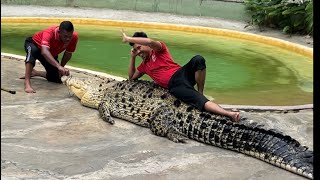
(139, 34)
(143, 51)
(65, 31)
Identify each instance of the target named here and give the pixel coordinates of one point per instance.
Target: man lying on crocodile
(158, 63)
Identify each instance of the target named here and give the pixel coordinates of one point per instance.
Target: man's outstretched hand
(124, 36)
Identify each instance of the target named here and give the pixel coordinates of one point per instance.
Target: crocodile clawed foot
(109, 120)
(177, 138)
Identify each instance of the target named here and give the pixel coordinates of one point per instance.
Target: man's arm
(155, 45)
(48, 56)
(132, 71)
(136, 75)
(66, 57)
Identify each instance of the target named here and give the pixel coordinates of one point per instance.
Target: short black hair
(66, 25)
(139, 34)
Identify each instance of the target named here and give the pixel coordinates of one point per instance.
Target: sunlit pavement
(49, 135)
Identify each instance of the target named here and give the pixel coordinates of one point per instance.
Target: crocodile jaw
(79, 88)
(90, 91)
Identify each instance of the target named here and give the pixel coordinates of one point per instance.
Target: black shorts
(33, 53)
(181, 84)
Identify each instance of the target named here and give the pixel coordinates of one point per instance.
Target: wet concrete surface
(50, 135)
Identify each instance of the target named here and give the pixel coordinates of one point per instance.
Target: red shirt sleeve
(73, 43)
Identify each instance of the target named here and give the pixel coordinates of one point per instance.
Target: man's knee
(55, 80)
(198, 58)
(32, 63)
(199, 62)
(53, 77)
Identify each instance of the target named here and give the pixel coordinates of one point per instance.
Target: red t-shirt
(50, 38)
(160, 66)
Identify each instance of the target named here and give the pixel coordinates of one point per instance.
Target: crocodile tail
(251, 139)
(275, 148)
(267, 145)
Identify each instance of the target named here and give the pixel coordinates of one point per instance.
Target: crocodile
(148, 105)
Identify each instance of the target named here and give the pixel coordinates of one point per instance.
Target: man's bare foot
(235, 116)
(29, 90)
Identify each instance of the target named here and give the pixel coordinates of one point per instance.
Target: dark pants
(181, 84)
(33, 53)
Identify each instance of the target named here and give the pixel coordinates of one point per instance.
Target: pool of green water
(238, 71)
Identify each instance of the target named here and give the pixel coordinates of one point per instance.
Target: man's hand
(63, 71)
(134, 52)
(124, 36)
(67, 72)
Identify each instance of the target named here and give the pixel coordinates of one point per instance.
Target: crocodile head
(89, 90)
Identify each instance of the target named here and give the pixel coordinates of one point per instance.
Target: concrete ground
(49, 135)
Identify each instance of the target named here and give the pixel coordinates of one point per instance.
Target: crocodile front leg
(105, 112)
(162, 124)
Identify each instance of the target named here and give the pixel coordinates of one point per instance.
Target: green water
(238, 71)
